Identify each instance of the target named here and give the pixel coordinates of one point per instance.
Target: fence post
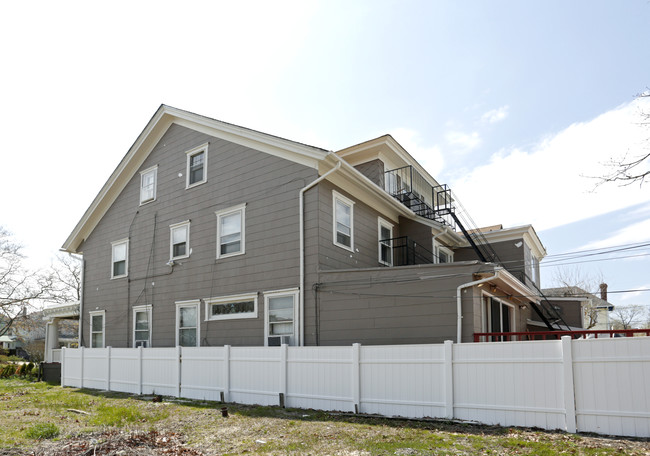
(449, 379)
(108, 368)
(63, 382)
(179, 360)
(140, 370)
(283, 374)
(226, 373)
(81, 367)
(356, 377)
(569, 385)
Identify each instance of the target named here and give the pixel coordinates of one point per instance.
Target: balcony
(404, 252)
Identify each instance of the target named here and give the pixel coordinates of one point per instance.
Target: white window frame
(147, 309)
(336, 196)
(486, 323)
(294, 292)
(227, 300)
(191, 153)
(193, 303)
(437, 248)
(126, 259)
(242, 242)
(176, 226)
(153, 170)
(381, 223)
(90, 327)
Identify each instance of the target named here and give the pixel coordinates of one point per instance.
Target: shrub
(42, 431)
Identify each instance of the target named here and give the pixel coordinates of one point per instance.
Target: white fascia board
(516, 285)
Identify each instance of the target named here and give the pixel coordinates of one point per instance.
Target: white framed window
(442, 254)
(187, 323)
(197, 166)
(497, 316)
(179, 240)
(343, 221)
(385, 233)
(142, 326)
(119, 259)
(280, 310)
(534, 270)
(231, 307)
(148, 183)
(231, 227)
(97, 328)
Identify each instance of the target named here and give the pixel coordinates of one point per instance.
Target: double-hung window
(442, 254)
(231, 307)
(343, 221)
(385, 233)
(187, 324)
(197, 165)
(142, 326)
(280, 308)
(179, 244)
(119, 259)
(231, 231)
(97, 320)
(148, 179)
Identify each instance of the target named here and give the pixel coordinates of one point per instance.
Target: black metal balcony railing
(406, 252)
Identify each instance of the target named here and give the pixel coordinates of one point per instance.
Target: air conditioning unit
(276, 341)
(141, 343)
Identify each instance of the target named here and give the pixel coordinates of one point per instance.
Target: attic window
(148, 179)
(197, 163)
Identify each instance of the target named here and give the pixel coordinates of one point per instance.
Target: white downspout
(301, 199)
(459, 307)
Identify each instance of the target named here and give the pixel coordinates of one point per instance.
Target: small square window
(148, 180)
(119, 259)
(343, 221)
(197, 164)
(231, 231)
(179, 240)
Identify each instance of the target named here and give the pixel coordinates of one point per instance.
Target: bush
(42, 431)
(7, 371)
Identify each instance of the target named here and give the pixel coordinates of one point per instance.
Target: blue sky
(512, 103)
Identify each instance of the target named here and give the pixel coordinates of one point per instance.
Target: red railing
(546, 335)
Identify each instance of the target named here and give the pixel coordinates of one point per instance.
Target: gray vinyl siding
(373, 170)
(235, 174)
(406, 305)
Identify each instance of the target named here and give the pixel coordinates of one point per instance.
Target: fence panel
(71, 368)
(510, 383)
(403, 380)
(125, 370)
(320, 378)
(612, 385)
(255, 375)
(95, 368)
(160, 371)
(202, 373)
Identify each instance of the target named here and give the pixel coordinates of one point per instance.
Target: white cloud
(466, 141)
(631, 296)
(495, 115)
(546, 185)
(637, 232)
(430, 157)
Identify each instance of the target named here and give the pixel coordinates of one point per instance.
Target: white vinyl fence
(594, 385)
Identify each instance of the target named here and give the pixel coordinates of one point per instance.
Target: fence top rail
(544, 335)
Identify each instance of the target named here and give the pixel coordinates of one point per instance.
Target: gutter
(301, 203)
(459, 307)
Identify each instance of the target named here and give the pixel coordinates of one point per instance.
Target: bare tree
(628, 317)
(628, 169)
(577, 283)
(19, 288)
(64, 276)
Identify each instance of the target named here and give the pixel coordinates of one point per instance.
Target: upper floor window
(179, 240)
(120, 259)
(231, 231)
(385, 232)
(148, 179)
(97, 329)
(442, 254)
(343, 221)
(197, 164)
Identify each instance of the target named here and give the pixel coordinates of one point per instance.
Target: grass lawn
(36, 418)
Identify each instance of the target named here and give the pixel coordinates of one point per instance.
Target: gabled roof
(164, 117)
(578, 294)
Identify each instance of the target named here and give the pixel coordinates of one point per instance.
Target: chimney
(603, 291)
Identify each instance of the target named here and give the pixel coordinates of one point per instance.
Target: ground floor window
(142, 326)
(187, 323)
(280, 308)
(97, 320)
(497, 315)
(231, 307)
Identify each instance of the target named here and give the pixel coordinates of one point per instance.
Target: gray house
(208, 234)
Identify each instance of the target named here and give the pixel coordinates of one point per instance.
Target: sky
(518, 106)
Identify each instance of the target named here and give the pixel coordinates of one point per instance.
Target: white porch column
(51, 338)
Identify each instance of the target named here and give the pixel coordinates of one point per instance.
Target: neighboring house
(581, 309)
(208, 234)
